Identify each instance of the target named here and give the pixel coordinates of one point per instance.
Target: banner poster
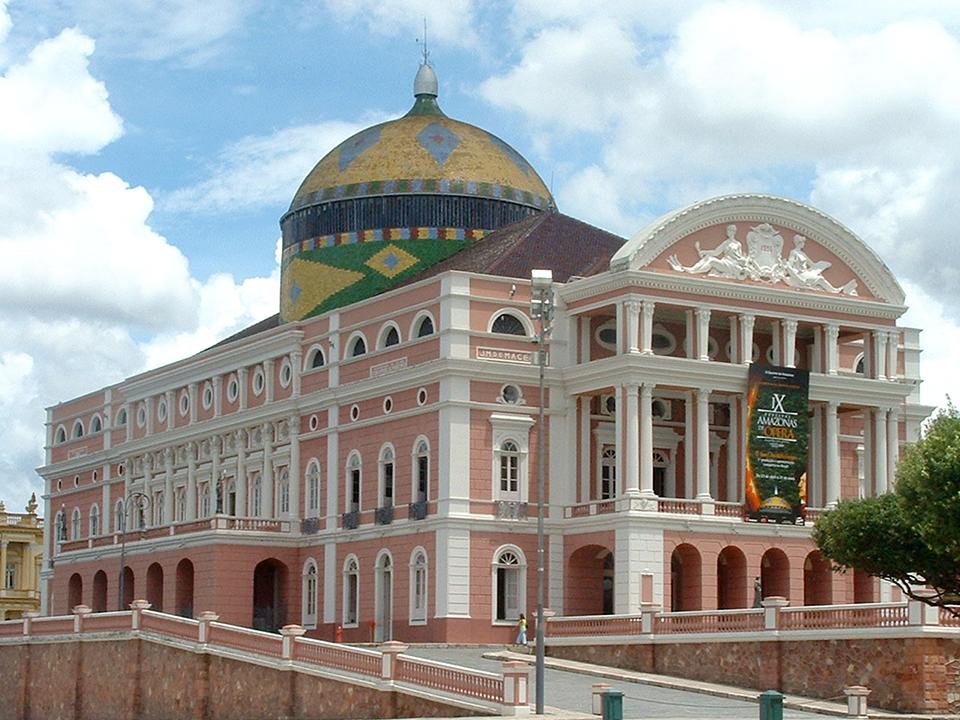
(777, 434)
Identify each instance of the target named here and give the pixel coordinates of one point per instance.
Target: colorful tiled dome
(396, 198)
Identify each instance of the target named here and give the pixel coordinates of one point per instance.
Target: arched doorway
(775, 574)
(99, 592)
(685, 579)
(589, 581)
(732, 579)
(863, 587)
(155, 587)
(269, 595)
(384, 599)
(128, 588)
(74, 592)
(817, 580)
(184, 589)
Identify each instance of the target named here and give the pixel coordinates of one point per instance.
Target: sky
(148, 149)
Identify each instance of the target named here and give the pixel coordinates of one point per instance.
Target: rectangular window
(423, 470)
(388, 483)
(180, 505)
(10, 578)
(355, 490)
(350, 618)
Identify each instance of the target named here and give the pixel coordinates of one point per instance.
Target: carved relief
(763, 261)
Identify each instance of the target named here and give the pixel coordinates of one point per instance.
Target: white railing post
(596, 700)
(137, 606)
(771, 611)
(648, 615)
(390, 650)
(28, 617)
(79, 612)
(203, 629)
(516, 684)
(289, 633)
(922, 613)
(856, 701)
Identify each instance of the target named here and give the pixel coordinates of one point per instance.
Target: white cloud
(453, 22)
(187, 31)
(940, 339)
(89, 292)
(259, 171)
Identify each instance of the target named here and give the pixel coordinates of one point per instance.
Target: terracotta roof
(549, 240)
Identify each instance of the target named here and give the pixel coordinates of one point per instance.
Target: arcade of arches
(715, 576)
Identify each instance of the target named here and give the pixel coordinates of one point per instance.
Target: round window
(606, 335)
(184, 403)
(207, 396)
(141, 415)
(258, 381)
(162, 410)
(610, 404)
(314, 422)
(286, 373)
(387, 404)
(421, 396)
(510, 394)
(355, 413)
(233, 389)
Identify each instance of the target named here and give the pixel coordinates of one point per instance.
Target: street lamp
(141, 501)
(541, 310)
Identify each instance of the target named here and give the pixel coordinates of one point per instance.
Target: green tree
(910, 536)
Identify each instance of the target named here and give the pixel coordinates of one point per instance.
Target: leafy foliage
(910, 536)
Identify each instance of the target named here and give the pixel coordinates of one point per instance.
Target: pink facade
(289, 476)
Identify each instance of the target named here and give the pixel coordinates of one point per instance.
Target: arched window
(256, 496)
(158, 503)
(312, 476)
(357, 346)
(418, 587)
(389, 336)
(61, 525)
(510, 583)
(121, 417)
(424, 327)
(204, 493)
(316, 359)
(353, 482)
(96, 425)
(860, 365)
(386, 476)
(94, 520)
(119, 524)
(509, 464)
(508, 324)
(351, 592)
(421, 472)
(77, 429)
(309, 603)
(75, 524)
(608, 473)
(283, 492)
(180, 504)
(61, 436)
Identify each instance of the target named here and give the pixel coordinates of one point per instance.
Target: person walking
(522, 630)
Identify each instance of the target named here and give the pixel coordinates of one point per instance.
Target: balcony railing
(417, 510)
(511, 510)
(350, 520)
(310, 526)
(384, 515)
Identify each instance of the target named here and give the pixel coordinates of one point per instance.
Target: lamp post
(541, 310)
(141, 501)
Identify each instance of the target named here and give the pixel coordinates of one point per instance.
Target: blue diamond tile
(439, 141)
(357, 145)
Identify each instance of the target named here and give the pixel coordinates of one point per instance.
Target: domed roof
(423, 151)
(395, 199)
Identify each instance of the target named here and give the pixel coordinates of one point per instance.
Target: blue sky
(148, 149)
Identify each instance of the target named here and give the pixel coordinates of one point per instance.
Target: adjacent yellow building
(21, 553)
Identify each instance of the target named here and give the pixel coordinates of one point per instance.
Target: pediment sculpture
(763, 261)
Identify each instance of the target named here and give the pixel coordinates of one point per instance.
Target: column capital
(832, 330)
(747, 318)
(790, 324)
(702, 311)
(648, 308)
(633, 306)
(646, 389)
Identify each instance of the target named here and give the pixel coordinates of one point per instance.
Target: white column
(688, 437)
(893, 341)
(268, 380)
(880, 354)
(733, 458)
(217, 395)
(168, 482)
(585, 453)
(790, 343)
(240, 437)
(621, 329)
(172, 409)
(191, 481)
(703, 444)
(735, 355)
(128, 411)
(242, 384)
(216, 482)
(703, 333)
(893, 446)
(296, 478)
(646, 440)
(618, 425)
(646, 327)
(267, 482)
(631, 485)
(746, 338)
(880, 449)
(192, 394)
(690, 339)
(633, 323)
(832, 333)
(833, 455)
(817, 364)
(148, 402)
(776, 342)
(296, 367)
(869, 451)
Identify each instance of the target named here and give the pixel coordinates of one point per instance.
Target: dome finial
(425, 84)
